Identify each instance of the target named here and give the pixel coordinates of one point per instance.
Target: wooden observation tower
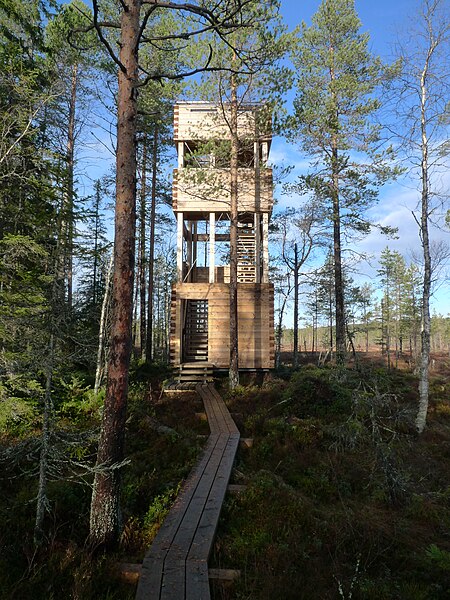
(200, 310)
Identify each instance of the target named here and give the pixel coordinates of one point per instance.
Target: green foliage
(64, 39)
(19, 413)
(24, 301)
(159, 508)
(17, 416)
(438, 557)
(314, 391)
(77, 400)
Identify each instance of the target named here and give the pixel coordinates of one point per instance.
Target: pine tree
(246, 71)
(135, 28)
(336, 78)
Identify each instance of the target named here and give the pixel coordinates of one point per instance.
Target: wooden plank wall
(203, 120)
(208, 190)
(255, 322)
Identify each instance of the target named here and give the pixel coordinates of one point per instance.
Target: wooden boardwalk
(176, 565)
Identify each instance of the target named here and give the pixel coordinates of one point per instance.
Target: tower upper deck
(208, 121)
(201, 184)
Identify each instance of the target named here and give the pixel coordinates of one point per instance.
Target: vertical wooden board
(212, 247)
(197, 581)
(174, 580)
(265, 244)
(205, 533)
(150, 580)
(169, 528)
(180, 228)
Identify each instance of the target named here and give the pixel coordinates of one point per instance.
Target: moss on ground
(343, 500)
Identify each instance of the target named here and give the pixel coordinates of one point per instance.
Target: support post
(257, 226)
(264, 153)
(194, 250)
(189, 245)
(212, 247)
(265, 241)
(180, 223)
(180, 155)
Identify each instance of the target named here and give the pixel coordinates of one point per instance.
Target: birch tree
(299, 234)
(421, 112)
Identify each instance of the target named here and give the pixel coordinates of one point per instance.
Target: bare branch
(98, 28)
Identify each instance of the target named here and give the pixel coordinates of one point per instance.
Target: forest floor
(342, 499)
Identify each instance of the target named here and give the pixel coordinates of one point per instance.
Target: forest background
(57, 145)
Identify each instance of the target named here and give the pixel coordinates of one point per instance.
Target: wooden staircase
(195, 372)
(195, 339)
(195, 367)
(246, 267)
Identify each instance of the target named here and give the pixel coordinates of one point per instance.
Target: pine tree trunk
(70, 185)
(142, 281)
(102, 328)
(105, 518)
(134, 320)
(151, 257)
(330, 319)
(337, 250)
(234, 356)
(337, 256)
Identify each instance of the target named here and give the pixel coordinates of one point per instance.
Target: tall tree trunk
(296, 269)
(103, 324)
(421, 418)
(142, 281)
(366, 321)
(234, 350)
(279, 334)
(42, 500)
(337, 249)
(337, 257)
(151, 256)
(105, 518)
(96, 236)
(330, 318)
(134, 335)
(70, 185)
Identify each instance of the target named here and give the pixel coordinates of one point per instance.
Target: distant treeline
(372, 337)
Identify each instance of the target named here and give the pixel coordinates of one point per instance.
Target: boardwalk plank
(215, 419)
(174, 581)
(176, 565)
(206, 530)
(186, 531)
(150, 580)
(197, 580)
(232, 428)
(168, 530)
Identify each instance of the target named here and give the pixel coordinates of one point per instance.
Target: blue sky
(384, 20)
